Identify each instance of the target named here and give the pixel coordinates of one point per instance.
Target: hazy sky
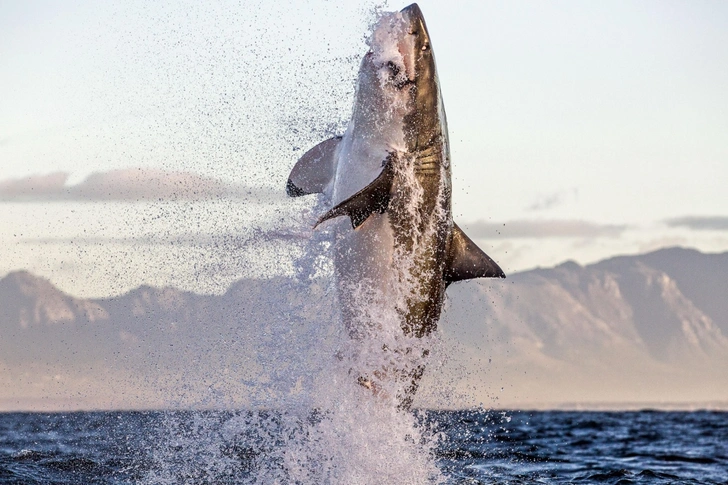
(579, 130)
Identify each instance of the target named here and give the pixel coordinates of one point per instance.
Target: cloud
(34, 186)
(555, 199)
(191, 239)
(133, 184)
(525, 229)
(700, 223)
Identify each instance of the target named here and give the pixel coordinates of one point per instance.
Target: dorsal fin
(372, 198)
(314, 170)
(465, 260)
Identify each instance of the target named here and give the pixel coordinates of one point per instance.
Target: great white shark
(390, 175)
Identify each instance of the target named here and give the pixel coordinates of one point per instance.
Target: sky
(149, 142)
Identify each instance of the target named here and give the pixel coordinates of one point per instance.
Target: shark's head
(424, 123)
(398, 78)
(397, 86)
(416, 49)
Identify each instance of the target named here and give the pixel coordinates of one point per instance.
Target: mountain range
(645, 330)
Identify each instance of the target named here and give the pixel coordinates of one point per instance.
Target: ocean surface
(468, 447)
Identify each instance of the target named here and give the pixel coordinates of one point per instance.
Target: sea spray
(332, 429)
(309, 420)
(337, 363)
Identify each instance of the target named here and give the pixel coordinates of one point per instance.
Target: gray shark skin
(390, 174)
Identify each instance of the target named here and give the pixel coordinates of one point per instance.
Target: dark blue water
(474, 447)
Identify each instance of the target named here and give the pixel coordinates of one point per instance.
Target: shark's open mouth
(392, 48)
(397, 76)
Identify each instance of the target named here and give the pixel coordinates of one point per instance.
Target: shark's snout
(412, 11)
(415, 44)
(416, 22)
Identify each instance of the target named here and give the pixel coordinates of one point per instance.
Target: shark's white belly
(363, 257)
(360, 156)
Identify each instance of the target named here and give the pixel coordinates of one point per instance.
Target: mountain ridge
(640, 322)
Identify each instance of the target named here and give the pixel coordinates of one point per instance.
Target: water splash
(311, 422)
(339, 363)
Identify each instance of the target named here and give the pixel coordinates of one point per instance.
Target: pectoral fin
(372, 198)
(314, 170)
(465, 260)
